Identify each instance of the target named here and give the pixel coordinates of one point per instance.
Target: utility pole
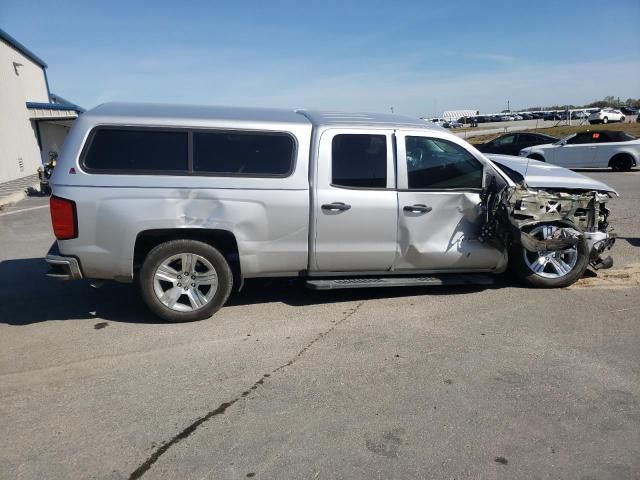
(392, 109)
(508, 106)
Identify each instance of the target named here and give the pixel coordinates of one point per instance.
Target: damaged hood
(544, 175)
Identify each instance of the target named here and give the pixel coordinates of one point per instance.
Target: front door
(355, 205)
(439, 185)
(578, 152)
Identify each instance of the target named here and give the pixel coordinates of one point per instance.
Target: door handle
(419, 208)
(336, 207)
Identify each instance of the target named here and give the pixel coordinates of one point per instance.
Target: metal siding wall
(17, 135)
(52, 136)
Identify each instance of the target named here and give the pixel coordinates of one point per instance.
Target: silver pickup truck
(191, 200)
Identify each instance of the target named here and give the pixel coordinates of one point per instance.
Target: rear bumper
(62, 267)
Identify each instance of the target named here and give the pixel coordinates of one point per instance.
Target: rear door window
(359, 161)
(137, 150)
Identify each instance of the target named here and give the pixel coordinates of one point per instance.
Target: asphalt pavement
(284, 383)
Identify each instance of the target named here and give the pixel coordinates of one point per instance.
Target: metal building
(456, 114)
(33, 121)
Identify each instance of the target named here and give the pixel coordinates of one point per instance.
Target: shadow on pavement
(633, 241)
(28, 296)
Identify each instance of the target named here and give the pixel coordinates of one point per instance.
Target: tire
(622, 119)
(536, 156)
(621, 162)
(164, 290)
(605, 120)
(574, 260)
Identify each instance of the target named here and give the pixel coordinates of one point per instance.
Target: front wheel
(549, 269)
(605, 120)
(185, 280)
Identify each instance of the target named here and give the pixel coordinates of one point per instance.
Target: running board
(370, 282)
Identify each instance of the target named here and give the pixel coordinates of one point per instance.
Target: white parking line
(23, 210)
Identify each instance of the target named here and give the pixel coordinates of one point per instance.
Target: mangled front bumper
(598, 243)
(577, 217)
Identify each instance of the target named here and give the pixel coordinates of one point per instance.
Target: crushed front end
(509, 212)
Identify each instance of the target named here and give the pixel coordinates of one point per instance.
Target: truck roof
(385, 120)
(176, 114)
(189, 115)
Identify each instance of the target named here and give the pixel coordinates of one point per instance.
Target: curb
(15, 197)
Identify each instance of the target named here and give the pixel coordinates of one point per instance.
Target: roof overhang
(52, 111)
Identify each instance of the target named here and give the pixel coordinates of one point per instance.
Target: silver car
(192, 200)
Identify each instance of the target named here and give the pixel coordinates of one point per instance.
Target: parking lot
(496, 382)
(494, 128)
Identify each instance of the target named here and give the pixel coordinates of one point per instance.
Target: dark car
(512, 143)
(627, 110)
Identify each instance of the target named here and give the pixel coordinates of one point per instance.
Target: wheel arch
(223, 240)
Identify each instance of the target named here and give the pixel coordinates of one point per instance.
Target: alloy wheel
(185, 282)
(550, 264)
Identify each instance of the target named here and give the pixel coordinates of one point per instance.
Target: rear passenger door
(439, 185)
(355, 203)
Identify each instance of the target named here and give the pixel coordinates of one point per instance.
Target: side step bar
(370, 282)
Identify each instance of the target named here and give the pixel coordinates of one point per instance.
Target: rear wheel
(549, 269)
(622, 119)
(605, 120)
(185, 280)
(621, 163)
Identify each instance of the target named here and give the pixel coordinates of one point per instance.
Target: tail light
(64, 218)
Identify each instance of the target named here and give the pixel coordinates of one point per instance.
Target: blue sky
(419, 57)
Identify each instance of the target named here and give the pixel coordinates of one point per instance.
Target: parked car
(518, 117)
(578, 115)
(512, 143)
(552, 116)
(596, 149)
(606, 115)
(454, 124)
(192, 200)
(628, 110)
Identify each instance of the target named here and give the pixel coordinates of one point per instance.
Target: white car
(606, 115)
(602, 149)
